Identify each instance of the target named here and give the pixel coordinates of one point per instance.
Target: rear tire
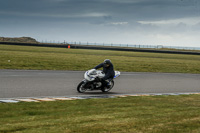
(80, 87)
(105, 89)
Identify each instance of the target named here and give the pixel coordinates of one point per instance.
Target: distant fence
(123, 45)
(134, 48)
(133, 45)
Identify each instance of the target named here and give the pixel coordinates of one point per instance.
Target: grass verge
(131, 114)
(43, 58)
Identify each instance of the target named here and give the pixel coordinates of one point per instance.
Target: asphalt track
(39, 83)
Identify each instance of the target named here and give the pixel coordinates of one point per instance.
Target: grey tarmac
(41, 83)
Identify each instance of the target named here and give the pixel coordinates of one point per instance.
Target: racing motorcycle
(89, 83)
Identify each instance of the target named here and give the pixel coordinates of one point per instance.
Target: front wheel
(110, 86)
(80, 87)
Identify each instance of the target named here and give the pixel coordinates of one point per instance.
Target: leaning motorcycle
(89, 83)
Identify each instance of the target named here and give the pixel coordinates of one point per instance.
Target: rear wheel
(110, 86)
(80, 87)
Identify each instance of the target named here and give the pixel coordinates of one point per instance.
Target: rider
(108, 69)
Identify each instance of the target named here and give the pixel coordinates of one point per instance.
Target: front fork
(87, 84)
(84, 82)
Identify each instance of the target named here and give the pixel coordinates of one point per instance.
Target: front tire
(80, 87)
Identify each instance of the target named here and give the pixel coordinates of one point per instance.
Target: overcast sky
(147, 22)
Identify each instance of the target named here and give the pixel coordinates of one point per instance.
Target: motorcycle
(89, 83)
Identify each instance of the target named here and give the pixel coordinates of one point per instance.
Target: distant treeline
(18, 39)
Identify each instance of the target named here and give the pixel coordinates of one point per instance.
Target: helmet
(107, 62)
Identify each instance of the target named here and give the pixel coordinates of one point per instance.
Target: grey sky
(148, 22)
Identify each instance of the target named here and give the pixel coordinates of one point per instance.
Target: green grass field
(151, 114)
(42, 58)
